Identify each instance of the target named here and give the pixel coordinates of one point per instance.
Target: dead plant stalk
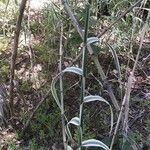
(126, 99)
(61, 87)
(14, 55)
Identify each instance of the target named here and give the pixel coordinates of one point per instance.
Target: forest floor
(37, 65)
(139, 117)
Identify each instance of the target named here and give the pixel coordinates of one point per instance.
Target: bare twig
(121, 111)
(14, 53)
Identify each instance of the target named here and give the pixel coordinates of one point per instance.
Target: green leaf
(94, 143)
(75, 70)
(54, 93)
(115, 59)
(92, 98)
(69, 147)
(75, 121)
(92, 40)
(68, 133)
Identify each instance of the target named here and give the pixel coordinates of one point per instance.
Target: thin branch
(14, 53)
(61, 86)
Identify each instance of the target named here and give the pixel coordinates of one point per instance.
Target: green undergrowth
(45, 127)
(45, 54)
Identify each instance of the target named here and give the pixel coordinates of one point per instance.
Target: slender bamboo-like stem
(121, 111)
(125, 123)
(61, 87)
(84, 55)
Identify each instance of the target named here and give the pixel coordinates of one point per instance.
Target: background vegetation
(55, 73)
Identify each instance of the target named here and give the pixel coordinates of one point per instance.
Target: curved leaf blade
(54, 93)
(69, 147)
(75, 121)
(94, 143)
(75, 70)
(92, 40)
(68, 133)
(92, 98)
(116, 60)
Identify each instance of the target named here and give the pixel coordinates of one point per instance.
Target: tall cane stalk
(61, 87)
(84, 56)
